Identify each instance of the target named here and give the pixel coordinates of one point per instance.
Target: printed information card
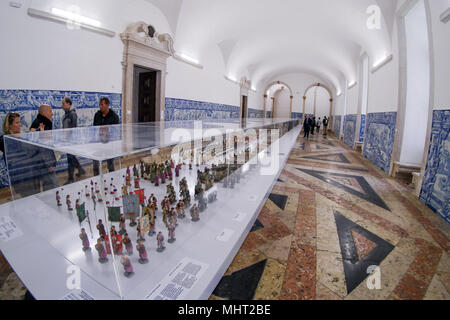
(8, 229)
(177, 284)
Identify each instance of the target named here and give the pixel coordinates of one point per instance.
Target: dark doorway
(244, 107)
(145, 96)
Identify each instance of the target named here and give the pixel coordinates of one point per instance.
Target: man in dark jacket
(307, 126)
(44, 161)
(70, 121)
(105, 116)
(325, 126)
(313, 124)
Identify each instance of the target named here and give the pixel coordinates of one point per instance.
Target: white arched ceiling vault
(259, 38)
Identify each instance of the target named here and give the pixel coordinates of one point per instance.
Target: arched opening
(318, 103)
(278, 100)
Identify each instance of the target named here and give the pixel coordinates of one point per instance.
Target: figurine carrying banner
(131, 206)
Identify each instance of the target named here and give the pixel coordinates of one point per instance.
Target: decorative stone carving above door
(144, 47)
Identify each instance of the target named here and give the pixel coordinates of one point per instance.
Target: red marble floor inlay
(363, 245)
(300, 277)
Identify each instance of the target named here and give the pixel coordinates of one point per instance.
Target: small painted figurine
(113, 231)
(85, 240)
(86, 191)
(97, 190)
(152, 231)
(134, 170)
(100, 197)
(160, 242)
(58, 199)
(117, 245)
(124, 190)
(133, 222)
(156, 181)
(77, 204)
(195, 213)
(128, 171)
(137, 183)
(173, 217)
(165, 215)
(177, 171)
(101, 251)
(128, 180)
(139, 233)
(171, 233)
(128, 245)
(101, 229)
(190, 166)
(143, 259)
(111, 188)
(163, 177)
(180, 209)
(106, 186)
(122, 225)
(68, 202)
(169, 172)
(125, 261)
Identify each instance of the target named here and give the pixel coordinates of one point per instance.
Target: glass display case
(158, 210)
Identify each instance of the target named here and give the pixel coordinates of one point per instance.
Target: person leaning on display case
(70, 121)
(21, 175)
(45, 160)
(105, 116)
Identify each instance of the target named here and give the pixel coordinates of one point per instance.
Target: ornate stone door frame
(145, 48)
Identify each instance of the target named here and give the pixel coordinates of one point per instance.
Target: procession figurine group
(171, 208)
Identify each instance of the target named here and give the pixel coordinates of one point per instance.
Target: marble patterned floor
(333, 217)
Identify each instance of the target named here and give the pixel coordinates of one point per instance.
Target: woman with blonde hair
(19, 166)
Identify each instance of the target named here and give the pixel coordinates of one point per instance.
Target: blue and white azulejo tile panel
(362, 128)
(379, 140)
(435, 191)
(297, 115)
(181, 109)
(350, 129)
(337, 126)
(255, 113)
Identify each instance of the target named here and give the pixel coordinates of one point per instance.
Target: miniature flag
(141, 195)
(144, 224)
(131, 206)
(81, 213)
(114, 214)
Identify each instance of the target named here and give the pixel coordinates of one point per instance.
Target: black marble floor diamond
(257, 226)
(355, 270)
(242, 284)
(279, 200)
(329, 158)
(354, 169)
(279, 180)
(369, 194)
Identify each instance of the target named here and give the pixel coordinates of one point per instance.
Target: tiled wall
(181, 109)
(350, 129)
(379, 139)
(254, 113)
(436, 183)
(337, 126)
(362, 128)
(268, 114)
(296, 115)
(27, 102)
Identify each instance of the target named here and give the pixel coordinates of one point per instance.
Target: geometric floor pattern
(332, 218)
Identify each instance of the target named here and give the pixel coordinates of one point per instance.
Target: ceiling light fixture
(70, 18)
(76, 18)
(189, 58)
(382, 63)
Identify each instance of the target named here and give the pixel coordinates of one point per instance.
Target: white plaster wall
(352, 107)
(322, 103)
(282, 104)
(39, 54)
(383, 84)
(208, 84)
(338, 105)
(418, 84)
(309, 109)
(441, 50)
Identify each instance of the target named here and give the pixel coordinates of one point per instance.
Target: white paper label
(78, 295)
(225, 235)
(177, 284)
(8, 229)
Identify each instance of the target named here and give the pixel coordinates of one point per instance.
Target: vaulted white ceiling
(266, 38)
